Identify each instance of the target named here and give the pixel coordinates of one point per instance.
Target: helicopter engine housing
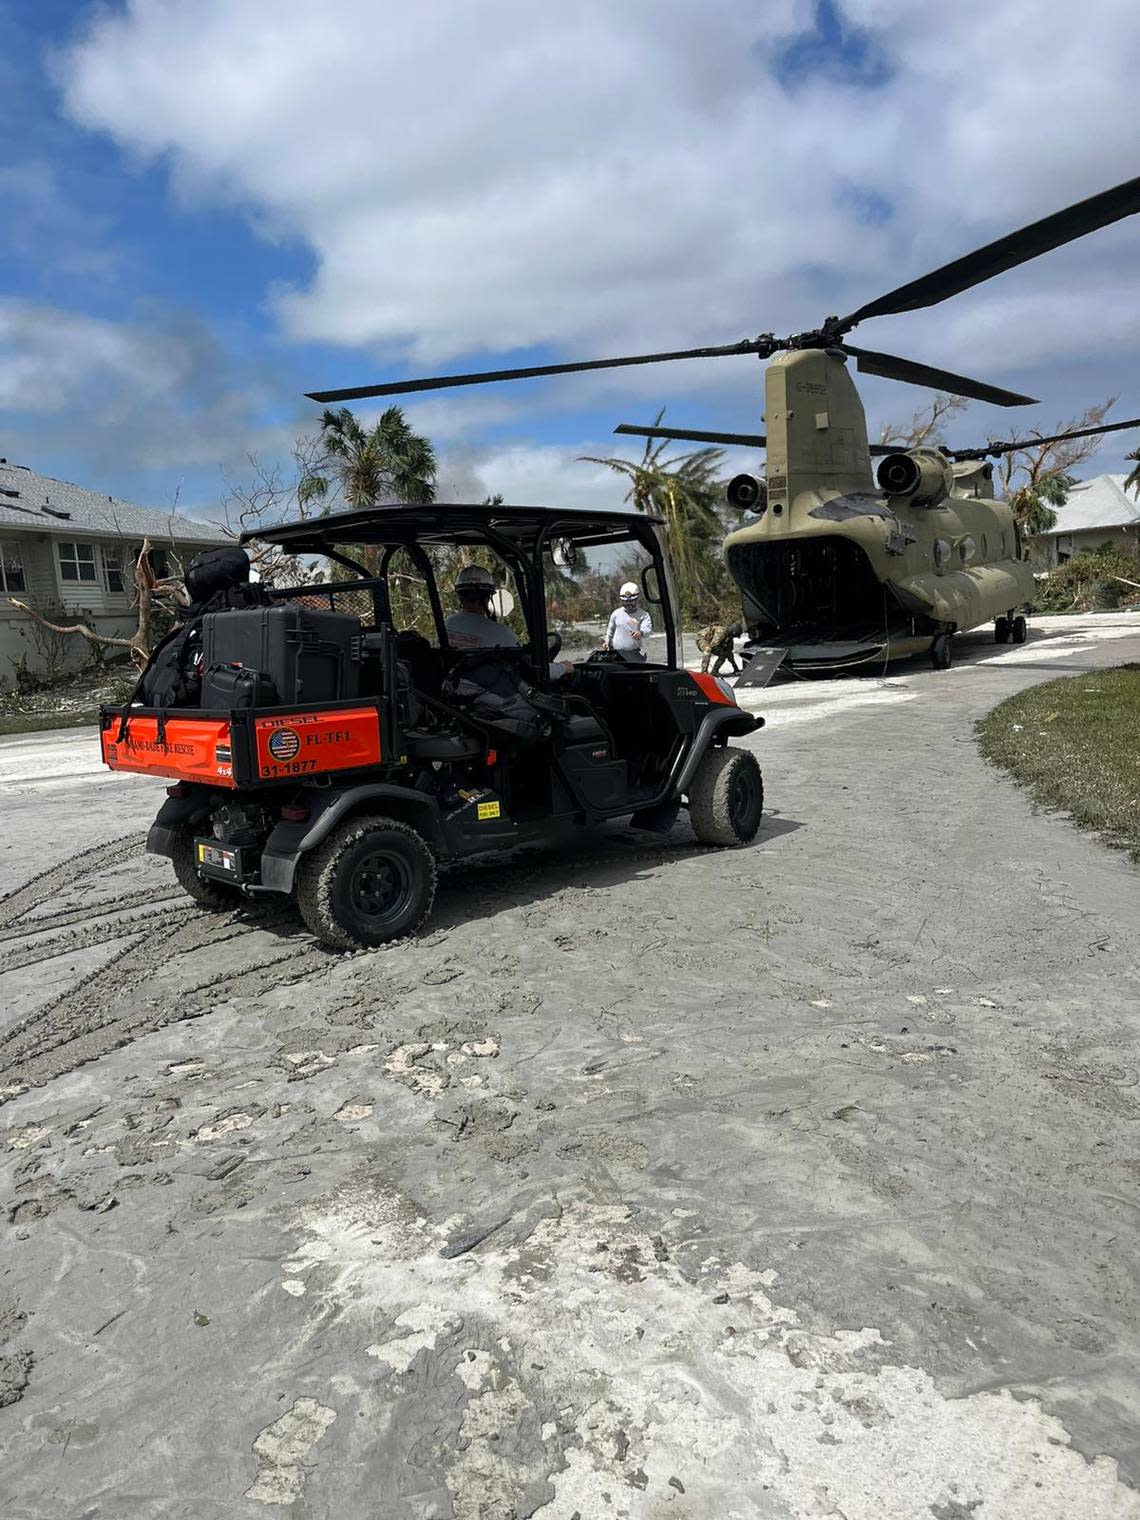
(923, 476)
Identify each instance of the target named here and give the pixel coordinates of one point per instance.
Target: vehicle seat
(423, 661)
(442, 746)
(583, 728)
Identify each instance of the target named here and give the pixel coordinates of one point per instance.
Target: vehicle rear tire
(1019, 630)
(1001, 630)
(217, 896)
(372, 880)
(941, 652)
(726, 797)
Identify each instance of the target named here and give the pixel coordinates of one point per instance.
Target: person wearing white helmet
(629, 626)
(473, 627)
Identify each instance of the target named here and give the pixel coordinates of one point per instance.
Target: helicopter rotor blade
(891, 367)
(694, 435)
(994, 449)
(732, 440)
(445, 382)
(1006, 253)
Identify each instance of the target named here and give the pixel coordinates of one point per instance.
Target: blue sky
(211, 206)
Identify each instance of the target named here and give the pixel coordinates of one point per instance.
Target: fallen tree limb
(147, 588)
(138, 654)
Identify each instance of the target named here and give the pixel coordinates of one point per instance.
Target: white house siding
(39, 513)
(109, 613)
(45, 590)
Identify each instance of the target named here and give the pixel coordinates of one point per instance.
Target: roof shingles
(41, 502)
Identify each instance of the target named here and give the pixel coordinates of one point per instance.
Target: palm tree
(1034, 503)
(686, 492)
(387, 462)
(1133, 481)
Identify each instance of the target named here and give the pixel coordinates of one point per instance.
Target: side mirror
(651, 585)
(564, 553)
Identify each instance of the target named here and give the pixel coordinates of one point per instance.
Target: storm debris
(280, 1449)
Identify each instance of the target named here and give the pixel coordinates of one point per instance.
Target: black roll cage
(409, 527)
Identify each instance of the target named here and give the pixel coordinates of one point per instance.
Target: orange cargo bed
(258, 747)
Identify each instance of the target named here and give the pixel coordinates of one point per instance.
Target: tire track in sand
(83, 915)
(66, 874)
(123, 999)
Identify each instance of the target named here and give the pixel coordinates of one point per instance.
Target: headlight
(726, 689)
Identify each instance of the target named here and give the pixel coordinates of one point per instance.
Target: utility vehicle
(322, 749)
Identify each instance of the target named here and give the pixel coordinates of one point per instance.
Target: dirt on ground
(800, 1180)
(67, 700)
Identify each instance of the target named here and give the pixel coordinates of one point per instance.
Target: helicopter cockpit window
(941, 552)
(967, 549)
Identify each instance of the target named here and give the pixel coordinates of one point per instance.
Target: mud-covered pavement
(654, 1181)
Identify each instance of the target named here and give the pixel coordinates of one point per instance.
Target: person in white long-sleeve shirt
(473, 627)
(629, 626)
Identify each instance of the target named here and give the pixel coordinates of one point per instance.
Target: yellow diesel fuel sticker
(488, 810)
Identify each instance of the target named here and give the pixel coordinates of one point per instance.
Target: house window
(11, 568)
(77, 562)
(113, 571)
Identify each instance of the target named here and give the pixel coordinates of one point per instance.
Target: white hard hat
(476, 579)
(629, 590)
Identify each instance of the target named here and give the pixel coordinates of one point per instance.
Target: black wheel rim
(744, 799)
(381, 885)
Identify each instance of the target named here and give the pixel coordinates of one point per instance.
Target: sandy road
(798, 1181)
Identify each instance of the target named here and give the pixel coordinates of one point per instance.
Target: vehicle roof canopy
(454, 522)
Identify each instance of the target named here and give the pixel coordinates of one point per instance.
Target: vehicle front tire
(1019, 630)
(372, 880)
(217, 896)
(941, 652)
(1001, 630)
(726, 797)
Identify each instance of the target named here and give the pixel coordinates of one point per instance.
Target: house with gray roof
(1096, 512)
(70, 553)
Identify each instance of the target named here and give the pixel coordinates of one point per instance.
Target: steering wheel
(553, 645)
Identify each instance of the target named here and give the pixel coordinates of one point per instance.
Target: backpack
(216, 570)
(217, 580)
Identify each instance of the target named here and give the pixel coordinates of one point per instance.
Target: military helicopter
(840, 568)
(809, 596)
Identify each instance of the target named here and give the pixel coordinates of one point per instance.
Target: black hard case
(308, 656)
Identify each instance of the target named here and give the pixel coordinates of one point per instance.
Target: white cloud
(603, 178)
(155, 393)
(537, 475)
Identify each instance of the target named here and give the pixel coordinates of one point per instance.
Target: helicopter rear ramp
(818, 599)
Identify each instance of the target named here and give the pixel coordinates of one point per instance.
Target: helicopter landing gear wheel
(941, 654)
(1019, 630)
(1001, 630)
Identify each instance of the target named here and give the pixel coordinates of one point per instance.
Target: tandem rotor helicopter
(840, 567)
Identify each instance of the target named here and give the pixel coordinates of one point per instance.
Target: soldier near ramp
(715, 645)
